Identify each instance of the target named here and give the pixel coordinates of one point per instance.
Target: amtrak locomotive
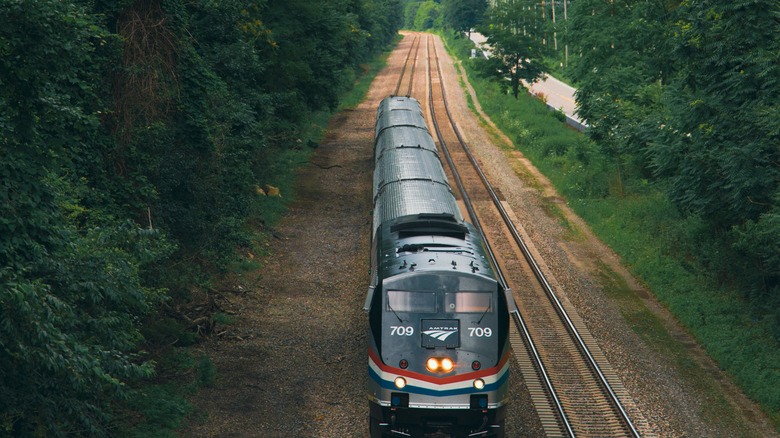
(438, 321)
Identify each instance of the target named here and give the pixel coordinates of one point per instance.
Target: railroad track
(570, 382)
(406, 79)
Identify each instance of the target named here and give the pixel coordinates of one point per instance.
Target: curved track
(574, 391)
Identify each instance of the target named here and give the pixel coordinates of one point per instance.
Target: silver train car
(438, 356)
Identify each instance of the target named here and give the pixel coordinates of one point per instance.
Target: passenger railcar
(438, 320)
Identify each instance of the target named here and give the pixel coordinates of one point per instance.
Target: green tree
(410, 12)
(685, 93)
(382, 19)
(719, 142)
(463, 15)
(623, 66)
(719, 145)
(132, 136)
(515, 55)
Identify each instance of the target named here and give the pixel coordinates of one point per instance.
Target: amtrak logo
(441, 335)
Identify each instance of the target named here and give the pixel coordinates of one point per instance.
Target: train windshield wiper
(393, 310)
(483, 315)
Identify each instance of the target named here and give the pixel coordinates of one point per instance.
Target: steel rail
(415, 43)
(539, 274)
(414, 65)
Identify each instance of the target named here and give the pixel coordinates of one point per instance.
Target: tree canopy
(681, 98)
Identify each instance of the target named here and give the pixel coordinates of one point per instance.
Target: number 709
(480, 332)
(400, 330)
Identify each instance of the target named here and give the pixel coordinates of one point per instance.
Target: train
(438, 320)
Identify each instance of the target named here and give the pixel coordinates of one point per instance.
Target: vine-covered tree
(70, 291)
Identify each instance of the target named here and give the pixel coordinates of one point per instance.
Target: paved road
(559, 95)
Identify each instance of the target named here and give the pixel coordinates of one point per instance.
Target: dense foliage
(688, 94)
(713, 278)
(134, 136)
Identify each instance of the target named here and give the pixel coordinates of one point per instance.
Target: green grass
(223, 319)
(160, 408)
(656, 243)
(653, 332)
(572, 232)
(651, 237)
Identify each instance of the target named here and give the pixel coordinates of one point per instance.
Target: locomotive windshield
(415, 302)
(425, 302)
(467, 302)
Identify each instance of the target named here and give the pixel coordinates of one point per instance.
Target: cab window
(468, 302)
(417, 302)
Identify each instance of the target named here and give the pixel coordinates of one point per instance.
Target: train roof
(431, 243)
(399, 111)
(398, 103)
(404, 136)
(402, 198)
(418, 225)
(408, 177)
(406, 165)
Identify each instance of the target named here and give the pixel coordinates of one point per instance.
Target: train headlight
(479, 384)
(400, 382)
(440, 364)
